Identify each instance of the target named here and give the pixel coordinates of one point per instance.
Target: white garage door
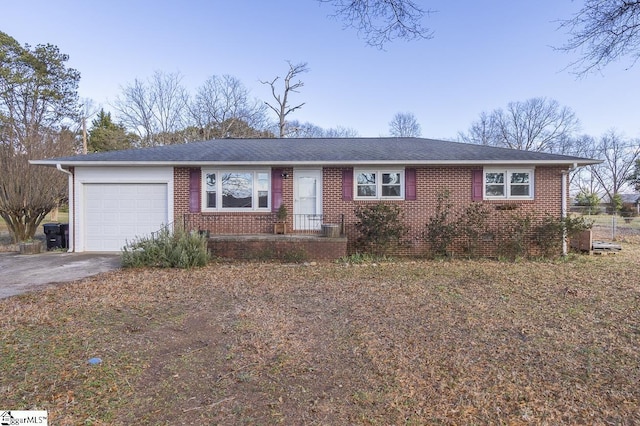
(117, 213)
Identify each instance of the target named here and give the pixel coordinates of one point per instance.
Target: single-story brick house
(235, 186)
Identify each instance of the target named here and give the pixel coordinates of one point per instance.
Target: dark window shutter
(276, 189)
(347, 184)
(410, 184)
(195, 180)
(477, 185)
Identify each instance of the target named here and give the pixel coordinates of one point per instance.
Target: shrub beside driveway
(455, 342)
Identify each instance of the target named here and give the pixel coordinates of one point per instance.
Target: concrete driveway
(27, 272)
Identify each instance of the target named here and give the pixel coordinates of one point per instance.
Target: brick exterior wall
(180, 192)
(430, 180)
(458, 181)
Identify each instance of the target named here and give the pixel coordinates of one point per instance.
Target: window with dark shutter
(477, 185)
(276, 189)
(347, 184)
(410, 184)
(194, 190)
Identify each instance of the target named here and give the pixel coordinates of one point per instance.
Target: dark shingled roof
(329, 151)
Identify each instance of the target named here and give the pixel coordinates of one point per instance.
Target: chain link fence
(608, 225)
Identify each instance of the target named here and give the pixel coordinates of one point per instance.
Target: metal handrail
(298, 223)
(168, 227)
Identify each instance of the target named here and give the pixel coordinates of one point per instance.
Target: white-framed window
(236, 190)
(508, 184)
(379, 184)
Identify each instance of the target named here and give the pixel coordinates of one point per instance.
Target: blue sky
(483, 55)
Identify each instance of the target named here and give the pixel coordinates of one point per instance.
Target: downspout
(563, 209)
(71, 239)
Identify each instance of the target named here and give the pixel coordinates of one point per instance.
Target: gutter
(326, 163)
(71, 238)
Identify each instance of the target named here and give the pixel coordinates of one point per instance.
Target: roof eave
(567, 162)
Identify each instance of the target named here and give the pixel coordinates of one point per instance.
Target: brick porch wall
(283, 247)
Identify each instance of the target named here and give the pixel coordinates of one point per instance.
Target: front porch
(258, 223)
(260, 236)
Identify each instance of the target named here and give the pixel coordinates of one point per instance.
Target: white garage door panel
(117, 213)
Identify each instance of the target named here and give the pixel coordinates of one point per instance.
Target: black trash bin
(56, 235)
(64, 233)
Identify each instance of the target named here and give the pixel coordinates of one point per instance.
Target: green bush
(589, 199)
(167, 249)
(381, 228)
(548, 235)
(472, 225)
(549, 232)
(574, 225)
(616, 202)
(441, 230)
(516, 235)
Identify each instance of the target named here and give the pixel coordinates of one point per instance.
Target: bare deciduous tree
(620, 156)
(537, 124)
(305, 130)
(582, 180)
(481, 132)
(155, 110)
(310, 130)
(404, 125)
(282, 108)
(382, 21)
(602, 32)
(38, 95)
(222, 107)
(340, 132)
(28, 192)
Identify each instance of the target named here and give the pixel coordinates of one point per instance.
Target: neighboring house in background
(235, 186)
(630, 198)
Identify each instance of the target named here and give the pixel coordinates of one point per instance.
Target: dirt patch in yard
(456, 342)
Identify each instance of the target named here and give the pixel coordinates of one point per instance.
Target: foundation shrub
(472, 225)
(441, 228)
(516, 235)
(550, 231)
(381, 227)
(548, 234)
(167, 249)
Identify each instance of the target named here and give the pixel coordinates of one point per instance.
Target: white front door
(307, 199)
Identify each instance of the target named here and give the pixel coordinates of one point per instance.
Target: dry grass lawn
(425, 342)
